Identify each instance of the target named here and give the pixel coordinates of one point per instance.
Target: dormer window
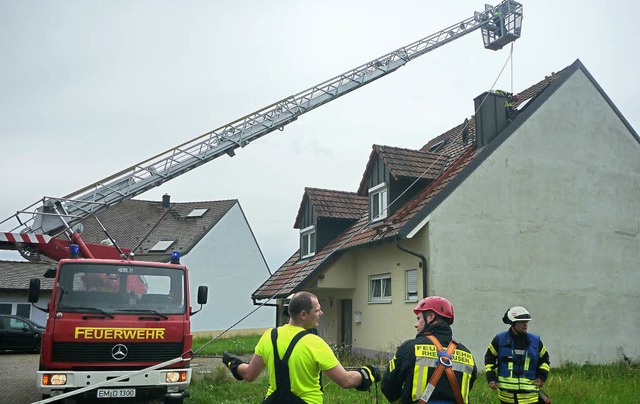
(307, 242)
(378, 202)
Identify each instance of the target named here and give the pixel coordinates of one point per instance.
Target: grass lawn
(569, 383)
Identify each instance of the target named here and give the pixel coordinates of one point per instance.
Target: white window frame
(411, 285)
(385, 292)
(307, 237)
(162, 246)
(378, 193)
(197, 212)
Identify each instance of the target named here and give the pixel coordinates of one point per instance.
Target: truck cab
(117, 319)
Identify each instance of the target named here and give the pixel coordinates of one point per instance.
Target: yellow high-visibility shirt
(310, 356)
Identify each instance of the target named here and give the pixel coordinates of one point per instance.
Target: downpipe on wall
(425, 272)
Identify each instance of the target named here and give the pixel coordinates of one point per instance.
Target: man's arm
(250, 371)
(491, 362)
(544, 366)
(392, 380)
(343, 378)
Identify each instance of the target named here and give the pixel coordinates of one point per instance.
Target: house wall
(550, 221)
(334, 285)
(384, 325)
(228, 260)
(14, 298)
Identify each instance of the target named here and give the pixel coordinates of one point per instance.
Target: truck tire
(173, 400)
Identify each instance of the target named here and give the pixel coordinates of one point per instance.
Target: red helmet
(438, 305)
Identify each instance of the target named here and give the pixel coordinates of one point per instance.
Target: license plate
(116, 393)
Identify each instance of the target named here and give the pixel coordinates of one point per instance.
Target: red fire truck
(117, 319)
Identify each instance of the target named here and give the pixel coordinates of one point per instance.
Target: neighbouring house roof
(404, 163)
(15, 275)
(332, 204)
(458, 145)
(139, 225)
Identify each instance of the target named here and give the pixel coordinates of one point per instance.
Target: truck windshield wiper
(145, 311)
(93, 309)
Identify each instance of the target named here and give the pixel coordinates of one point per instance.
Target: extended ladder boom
(500, 25)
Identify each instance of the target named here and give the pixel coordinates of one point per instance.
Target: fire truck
(112, 322)
(120, 328)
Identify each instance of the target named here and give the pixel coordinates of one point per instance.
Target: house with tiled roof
(534, 204)
(214, 239)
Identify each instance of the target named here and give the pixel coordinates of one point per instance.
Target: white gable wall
(550, 221)
(228, 261)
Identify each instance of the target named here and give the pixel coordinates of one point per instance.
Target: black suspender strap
(283, 382)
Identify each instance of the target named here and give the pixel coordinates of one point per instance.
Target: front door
(345, 329)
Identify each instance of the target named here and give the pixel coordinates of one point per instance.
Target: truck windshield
(121, 288)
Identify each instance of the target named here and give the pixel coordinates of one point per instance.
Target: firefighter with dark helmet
(516, 362)
(432, 367)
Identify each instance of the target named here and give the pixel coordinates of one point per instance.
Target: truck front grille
(108, 352)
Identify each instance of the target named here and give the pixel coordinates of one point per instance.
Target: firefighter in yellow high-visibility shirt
(294, 358)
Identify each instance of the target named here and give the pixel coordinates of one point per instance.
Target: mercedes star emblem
(119, 352)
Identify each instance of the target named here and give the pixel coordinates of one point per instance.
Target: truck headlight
(175, 377)
(54, 379)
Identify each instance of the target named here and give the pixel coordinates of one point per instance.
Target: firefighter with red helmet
(516, 362)
(432, 367)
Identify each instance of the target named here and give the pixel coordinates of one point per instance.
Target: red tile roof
(333, 204)
(404, 163)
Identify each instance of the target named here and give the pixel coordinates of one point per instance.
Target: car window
(18, 324)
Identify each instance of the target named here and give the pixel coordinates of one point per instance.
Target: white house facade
(229, 261)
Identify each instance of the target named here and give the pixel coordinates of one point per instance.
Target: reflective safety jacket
(515, 362)
(415, 361)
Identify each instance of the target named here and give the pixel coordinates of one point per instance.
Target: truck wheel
(173, 400)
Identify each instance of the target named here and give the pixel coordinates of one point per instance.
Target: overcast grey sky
(91, 87)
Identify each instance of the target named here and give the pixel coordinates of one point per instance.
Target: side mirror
(34, 290)
(34, 293)
(50, 273)
(203, 293)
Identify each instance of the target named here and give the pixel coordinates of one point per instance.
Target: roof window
(162, 246)
(198, 212)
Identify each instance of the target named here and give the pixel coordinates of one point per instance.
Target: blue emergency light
(175, 257)
(74, 251)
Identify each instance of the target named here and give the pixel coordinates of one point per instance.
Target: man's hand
(492, 385)
(370, 374)
(539, 383)
(232, 362)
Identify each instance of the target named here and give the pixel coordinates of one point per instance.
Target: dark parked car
(19, 334)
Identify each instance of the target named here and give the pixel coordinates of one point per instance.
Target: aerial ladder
(37, 229)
